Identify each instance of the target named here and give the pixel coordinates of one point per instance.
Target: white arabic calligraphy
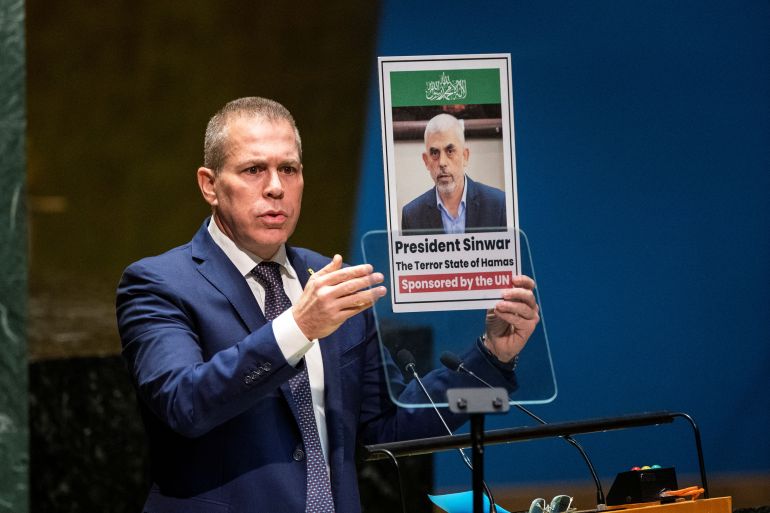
(445, 89)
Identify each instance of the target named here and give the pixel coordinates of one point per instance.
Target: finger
(522, 310)
(508, 309)
(495, 321)
(332, 266)
(362, 300)
(520, 295)
(523, 281)
(354, 285)
(347, 273)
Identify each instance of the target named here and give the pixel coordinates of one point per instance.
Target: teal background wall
(13, 263)
(643, 152)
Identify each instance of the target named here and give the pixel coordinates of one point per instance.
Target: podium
(715, 505)
(395, 450)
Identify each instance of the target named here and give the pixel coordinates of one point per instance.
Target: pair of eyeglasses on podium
(559, 504)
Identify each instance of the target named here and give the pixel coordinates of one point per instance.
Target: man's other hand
(511, 322)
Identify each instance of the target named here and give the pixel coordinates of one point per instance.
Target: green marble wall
(13, 263)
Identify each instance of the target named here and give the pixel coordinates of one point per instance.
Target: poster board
(450, 180)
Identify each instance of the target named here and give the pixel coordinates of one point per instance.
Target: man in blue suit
(214, 361)
(456, 204)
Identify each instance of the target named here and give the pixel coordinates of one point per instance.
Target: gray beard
(446, 188)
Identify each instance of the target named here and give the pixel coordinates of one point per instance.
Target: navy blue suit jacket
(192, 332)
(484, 210)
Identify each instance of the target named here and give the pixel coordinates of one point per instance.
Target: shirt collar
(440, 202)
(242, 259)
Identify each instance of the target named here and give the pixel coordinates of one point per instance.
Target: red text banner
(454, 282)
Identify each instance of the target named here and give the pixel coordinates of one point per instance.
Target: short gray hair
(443, 123)
(215, 140)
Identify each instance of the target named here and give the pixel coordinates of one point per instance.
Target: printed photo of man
(456, 203)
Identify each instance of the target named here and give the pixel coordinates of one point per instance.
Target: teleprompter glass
(427, 335)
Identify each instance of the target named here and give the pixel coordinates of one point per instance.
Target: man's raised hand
(333, 295)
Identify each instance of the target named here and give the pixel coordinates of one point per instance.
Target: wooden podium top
(715, 505)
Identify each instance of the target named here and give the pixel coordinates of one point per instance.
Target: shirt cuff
(291, 341)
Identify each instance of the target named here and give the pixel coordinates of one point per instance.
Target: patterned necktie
(319, 493)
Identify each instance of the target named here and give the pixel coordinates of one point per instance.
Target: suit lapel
(218, 270)
(433, 217)
(472, 205)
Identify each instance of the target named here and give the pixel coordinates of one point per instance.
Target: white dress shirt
(292, 342)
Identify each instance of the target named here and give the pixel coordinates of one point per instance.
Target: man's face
(445, 158)
(257, 194)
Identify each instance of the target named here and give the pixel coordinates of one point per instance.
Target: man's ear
(426, 160)
(206, 179)
(466, 154)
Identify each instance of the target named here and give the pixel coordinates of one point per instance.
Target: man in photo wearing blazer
(456, 204)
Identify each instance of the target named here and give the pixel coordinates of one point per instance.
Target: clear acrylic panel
(429, 334)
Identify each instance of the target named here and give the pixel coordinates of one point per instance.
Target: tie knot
(268, 274)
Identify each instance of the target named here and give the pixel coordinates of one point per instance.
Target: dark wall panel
(119, 96)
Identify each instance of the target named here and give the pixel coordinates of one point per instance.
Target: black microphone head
(406, 359)
(451, 360)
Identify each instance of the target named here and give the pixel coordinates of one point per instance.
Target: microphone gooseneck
(453, 362)
(407, 361)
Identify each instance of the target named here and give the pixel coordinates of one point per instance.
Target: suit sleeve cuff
(290, 339)
(502, 366)
(492, 370)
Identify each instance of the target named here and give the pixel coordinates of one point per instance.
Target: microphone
(407, 361)
(453, 362)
